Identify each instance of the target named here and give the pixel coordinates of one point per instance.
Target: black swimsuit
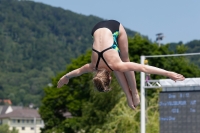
(113, 26)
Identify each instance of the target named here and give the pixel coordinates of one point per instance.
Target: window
(39, 122)
(32, 128)
(22, 121)
(13, 120)
(23, 128)
(18, 121)
(32, 121)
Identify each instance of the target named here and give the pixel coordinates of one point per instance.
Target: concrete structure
(167, 85)
(25, 120)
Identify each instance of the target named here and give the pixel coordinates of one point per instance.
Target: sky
(178, 20)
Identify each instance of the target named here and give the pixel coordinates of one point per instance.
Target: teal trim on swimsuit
(115, 45)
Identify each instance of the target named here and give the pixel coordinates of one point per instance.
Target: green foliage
(95, 112)
(5, 129)
(121, 119)
(194, 47)
(76, 97)
(68, 98)
(36, 43)
(190, 47)
(34, 40)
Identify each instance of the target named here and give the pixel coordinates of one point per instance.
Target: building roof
(6, 101)
(22, 113)
(3, 109)
(16, 107)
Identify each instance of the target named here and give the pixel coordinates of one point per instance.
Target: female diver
(110, 53)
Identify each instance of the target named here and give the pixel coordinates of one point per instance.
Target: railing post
(142, 93)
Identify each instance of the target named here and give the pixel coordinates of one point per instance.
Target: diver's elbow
(120, 67)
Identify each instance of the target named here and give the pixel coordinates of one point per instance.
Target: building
(26, 120)
(5, 101)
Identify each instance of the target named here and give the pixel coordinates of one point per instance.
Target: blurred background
(42, 40)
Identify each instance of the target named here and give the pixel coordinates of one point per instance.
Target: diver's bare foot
(136, 99)
(130, 104)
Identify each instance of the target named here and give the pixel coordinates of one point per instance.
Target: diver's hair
(102, 80)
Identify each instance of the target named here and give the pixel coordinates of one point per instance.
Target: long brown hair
(102, 80)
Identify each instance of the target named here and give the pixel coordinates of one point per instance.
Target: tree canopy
(107, 112)
(5, 129)
(37, 41)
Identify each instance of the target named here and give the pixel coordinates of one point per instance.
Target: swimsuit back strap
(106, 63)
(100, 55)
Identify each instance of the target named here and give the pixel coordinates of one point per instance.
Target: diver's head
(102, 80)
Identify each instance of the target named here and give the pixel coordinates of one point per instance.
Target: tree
(106, 112)
(35, 38)
(5, 129)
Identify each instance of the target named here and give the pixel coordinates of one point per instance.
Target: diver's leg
(123, 83)
(130, 76)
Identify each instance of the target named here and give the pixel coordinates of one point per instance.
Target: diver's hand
(175, 76)
(62, 81)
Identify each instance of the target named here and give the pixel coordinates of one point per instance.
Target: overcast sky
(178, 20)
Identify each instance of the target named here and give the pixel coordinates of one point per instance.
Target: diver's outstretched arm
(131, 66)
(77, 72)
